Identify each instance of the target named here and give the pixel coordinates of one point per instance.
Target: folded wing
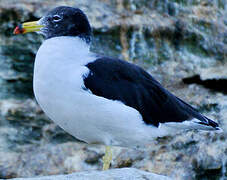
(115, 79)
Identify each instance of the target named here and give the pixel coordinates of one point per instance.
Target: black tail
(204, 122)
(210, 123)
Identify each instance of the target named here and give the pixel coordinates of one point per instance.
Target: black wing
(119, 80)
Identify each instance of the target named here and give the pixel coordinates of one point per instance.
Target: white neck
(68, 41)
(64, 50)
(60, 60)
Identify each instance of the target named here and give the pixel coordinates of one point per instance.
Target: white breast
(59, 67)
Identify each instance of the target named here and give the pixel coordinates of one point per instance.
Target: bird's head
(61, 21)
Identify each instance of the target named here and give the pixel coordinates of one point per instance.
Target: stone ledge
(113, 174)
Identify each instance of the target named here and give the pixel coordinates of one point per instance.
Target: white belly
(58, 89)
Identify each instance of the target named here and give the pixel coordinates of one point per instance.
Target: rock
(214, 78)
(185, 156)
(216, 72)
(24, 123)
(118, 174)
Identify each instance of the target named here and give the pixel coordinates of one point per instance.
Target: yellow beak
(28, 27)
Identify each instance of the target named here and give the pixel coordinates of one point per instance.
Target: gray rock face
(218, 72)
(173, 40)
(114, 174)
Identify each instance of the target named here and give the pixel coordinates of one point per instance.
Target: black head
(66, 21)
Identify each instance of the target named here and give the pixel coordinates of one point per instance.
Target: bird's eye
(56, 18)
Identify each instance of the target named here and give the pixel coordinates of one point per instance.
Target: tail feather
(198, 120)
(207, 125)
(210, 124)
(190, 118)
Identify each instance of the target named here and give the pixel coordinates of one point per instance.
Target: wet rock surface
(173, 40)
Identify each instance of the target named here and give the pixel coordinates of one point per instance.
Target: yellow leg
(107, 158)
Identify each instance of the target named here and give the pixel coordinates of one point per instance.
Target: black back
(119, 80)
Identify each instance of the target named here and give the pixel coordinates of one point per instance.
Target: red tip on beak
(19, 30)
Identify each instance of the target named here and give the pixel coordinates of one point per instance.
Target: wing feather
(119, 80)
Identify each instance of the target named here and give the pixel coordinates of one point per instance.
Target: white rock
(113, 174)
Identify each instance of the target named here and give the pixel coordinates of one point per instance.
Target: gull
(100, 99)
